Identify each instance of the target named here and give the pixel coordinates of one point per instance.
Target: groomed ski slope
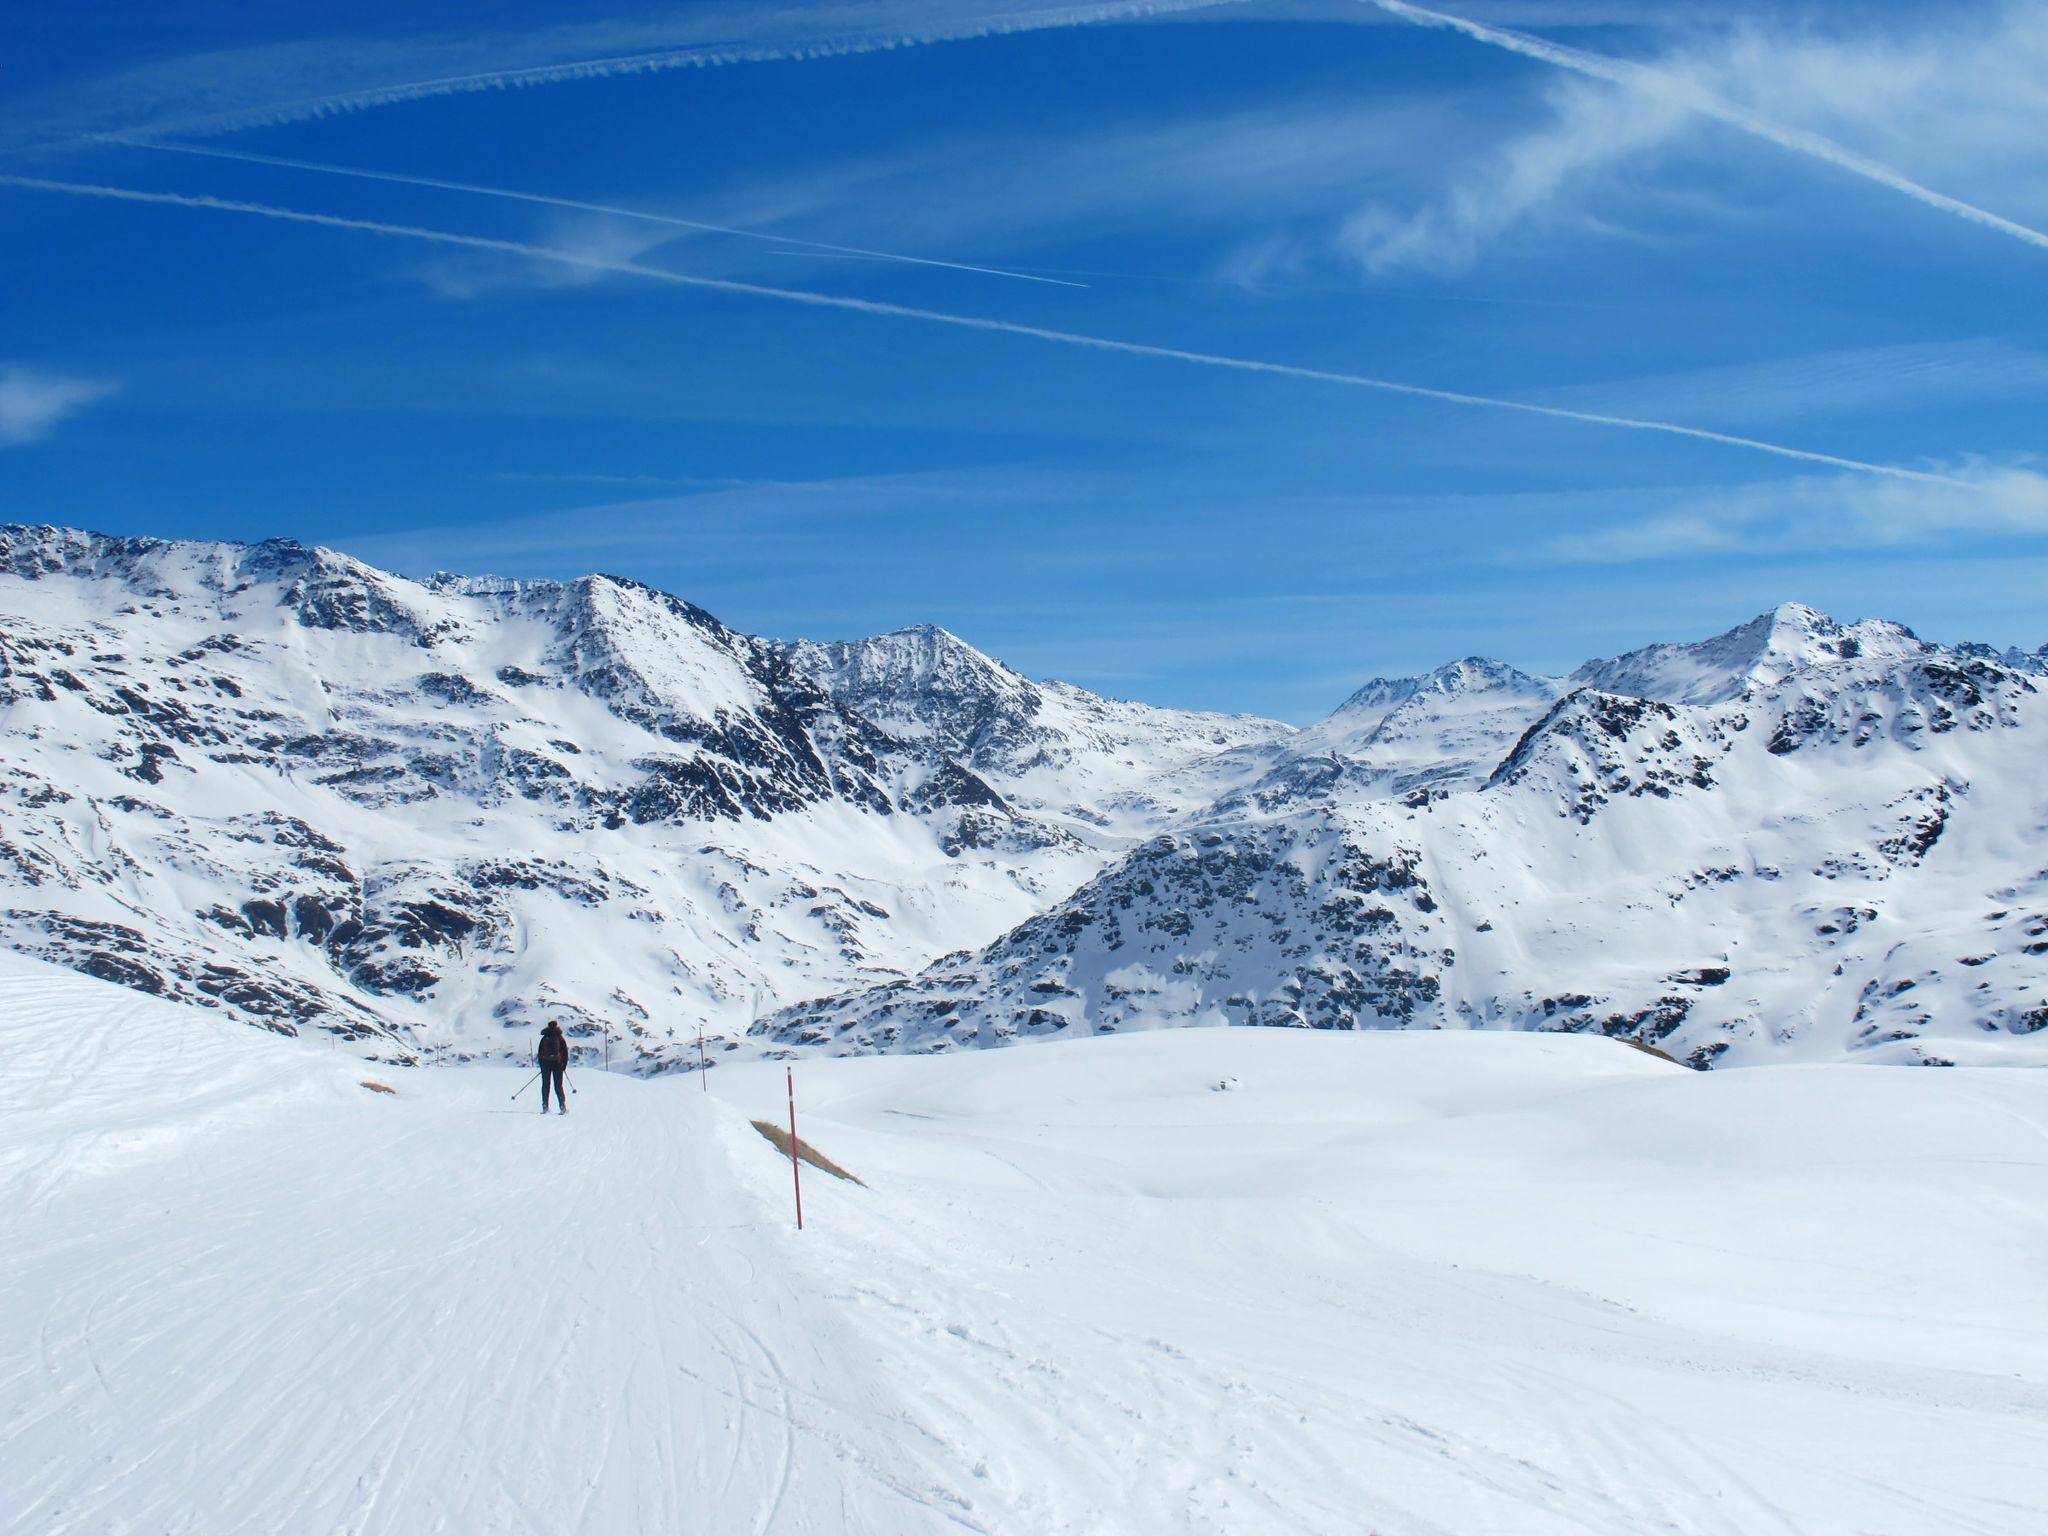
(1396, 1283)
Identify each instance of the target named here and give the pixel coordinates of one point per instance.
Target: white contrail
(403, 180)
(1682, 92)
(700, 56)
(967, 322)
(1615, 71)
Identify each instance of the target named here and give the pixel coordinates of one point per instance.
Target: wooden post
(795, 1167)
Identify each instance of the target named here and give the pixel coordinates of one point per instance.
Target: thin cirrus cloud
(35, 402)
(710, 522)
(1839, 382)
(1284, 164)
(584, 251)
(1910, 95)
(599, 477)
(1683, 88)
(227, 90)
(1965, 99)
(973, 323)
(1808, 513)
(606, 210)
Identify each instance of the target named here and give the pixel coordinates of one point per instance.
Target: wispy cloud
(293, 82)
(34, 403)
(1781, 87)
(723, 521)
(1842, 381)
(973, 323)
(1962, 104)
(605, 210)
(579, 251)
(1685, 90)
(223, 90)
(1810, 513)
(1279, 168)
(592, 477)
(1529, 175)
(774, 557)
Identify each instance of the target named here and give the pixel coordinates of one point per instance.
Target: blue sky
(1814, 229)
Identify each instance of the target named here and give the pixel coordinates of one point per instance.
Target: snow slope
(246, 1295)
(1089, 764)
(1444, 730)
(1212, 1281)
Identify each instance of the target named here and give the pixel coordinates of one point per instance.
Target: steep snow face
(2012, 656)
(924, 682)
(1362, 714)
(280, 782)
(1765, 651)
(1441, 730)
(1103, 769)
(1843, 864)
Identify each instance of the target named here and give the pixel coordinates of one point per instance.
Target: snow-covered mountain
(276, 781)
(1768, 649)
(1056, 751)
(279, 781)
(1445, 729)
(1796, 839)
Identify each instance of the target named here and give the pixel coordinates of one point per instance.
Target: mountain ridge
(274, 780)
(332, 797)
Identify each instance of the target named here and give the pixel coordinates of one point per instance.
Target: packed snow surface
(1187, 1281)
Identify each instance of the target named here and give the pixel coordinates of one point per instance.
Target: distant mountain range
(277, 781)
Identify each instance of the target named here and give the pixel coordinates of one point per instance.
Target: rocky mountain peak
(923, 683)
(919, 662)
(1468, 674)
(453, 584)
(1791, 638)
(34, 551)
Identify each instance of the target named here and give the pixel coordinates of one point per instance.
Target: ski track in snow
(1417, 1285)
(291, 1310)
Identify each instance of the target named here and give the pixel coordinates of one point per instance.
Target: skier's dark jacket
(554, 1050)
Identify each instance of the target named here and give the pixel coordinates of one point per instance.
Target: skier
(552, 1059)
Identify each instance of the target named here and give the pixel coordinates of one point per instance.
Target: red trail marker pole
(795, 1167)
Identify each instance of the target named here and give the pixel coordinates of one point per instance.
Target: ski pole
(796, 1172)
(527, 1084)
